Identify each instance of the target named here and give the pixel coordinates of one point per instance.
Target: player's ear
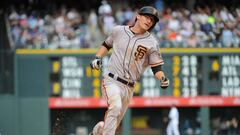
(137, 16)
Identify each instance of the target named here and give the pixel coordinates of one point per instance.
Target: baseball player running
(133, 50)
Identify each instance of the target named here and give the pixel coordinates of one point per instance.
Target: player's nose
(150, 20)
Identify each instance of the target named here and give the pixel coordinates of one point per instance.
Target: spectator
(227, 36)
(128, 16)
(108, 24)
(233, 129)
(95, 36)
(105, 8)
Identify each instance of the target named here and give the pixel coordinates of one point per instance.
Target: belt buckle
(131, 84)
(128, 83)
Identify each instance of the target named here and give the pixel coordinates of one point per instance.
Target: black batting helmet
(148, 10)
(151, 11)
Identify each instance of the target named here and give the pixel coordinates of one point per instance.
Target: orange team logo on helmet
(141, 51)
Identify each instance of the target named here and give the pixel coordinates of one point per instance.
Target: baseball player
(172, 128)
(133, 50)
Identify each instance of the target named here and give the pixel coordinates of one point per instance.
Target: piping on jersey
(125, 52)
(133, 50)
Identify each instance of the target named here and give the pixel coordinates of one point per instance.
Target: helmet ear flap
(152, 26)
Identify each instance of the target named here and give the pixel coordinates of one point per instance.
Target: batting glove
(164, 82)
(96, 63)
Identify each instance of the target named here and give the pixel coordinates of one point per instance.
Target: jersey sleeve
(109, 40)
(155, 57)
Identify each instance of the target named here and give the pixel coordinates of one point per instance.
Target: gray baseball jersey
(132, 54)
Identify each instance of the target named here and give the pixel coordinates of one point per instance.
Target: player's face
(146, 22)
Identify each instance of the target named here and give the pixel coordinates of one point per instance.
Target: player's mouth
(146, 24)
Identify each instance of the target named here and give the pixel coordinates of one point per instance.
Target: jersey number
(141, 51)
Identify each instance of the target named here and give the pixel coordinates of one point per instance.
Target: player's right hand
(164, 82)
(96, 63)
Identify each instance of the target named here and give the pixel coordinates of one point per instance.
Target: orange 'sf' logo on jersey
(141, 51)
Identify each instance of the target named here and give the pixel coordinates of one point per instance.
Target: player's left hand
(164, 82)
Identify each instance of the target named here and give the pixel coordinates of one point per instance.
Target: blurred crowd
(202, 27)
(223, 126)
(219, 126)
(65, 27)
(61, 29)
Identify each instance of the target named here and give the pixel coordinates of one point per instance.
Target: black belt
(131, 84)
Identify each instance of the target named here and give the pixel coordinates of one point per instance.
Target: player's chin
(146, 28)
